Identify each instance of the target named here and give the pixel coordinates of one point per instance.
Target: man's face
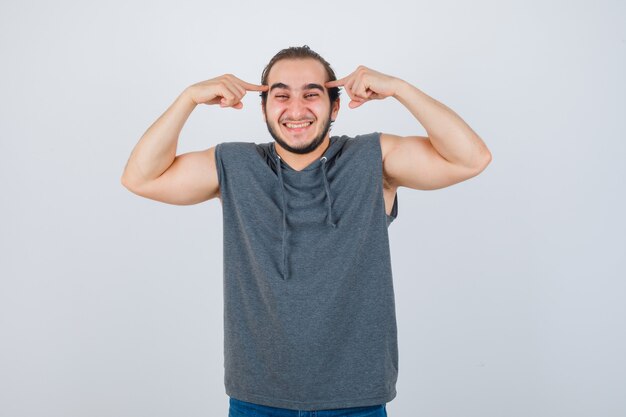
(298, 111)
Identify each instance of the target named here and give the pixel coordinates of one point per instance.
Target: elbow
(487, 158)
(482, 162)
(479, 158)
(129, 179)
(127, 183)
(124, 181)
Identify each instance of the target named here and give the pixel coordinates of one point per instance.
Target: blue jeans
(244, 409)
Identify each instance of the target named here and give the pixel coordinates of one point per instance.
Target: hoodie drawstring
(327, 188)
(281, 185)
(282, 193)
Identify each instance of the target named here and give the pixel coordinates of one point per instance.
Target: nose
(297, 109)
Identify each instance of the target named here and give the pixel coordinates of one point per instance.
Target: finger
(358, 88)
(254, 87)
(233, 97)
(348, 88)
(361, 88)
(238, 105)
(335, 83)
(356, 103)
(351, 94)
(237, 87)
(231, 103)
(237, 91)
(359, 93)
(340, 82)
(362, 94)
(349, 83)
(228, 98)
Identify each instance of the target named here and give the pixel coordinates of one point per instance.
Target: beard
(307, 148)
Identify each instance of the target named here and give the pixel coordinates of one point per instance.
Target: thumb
(354, 104)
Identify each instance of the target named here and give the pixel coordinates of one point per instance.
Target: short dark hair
(300, 52)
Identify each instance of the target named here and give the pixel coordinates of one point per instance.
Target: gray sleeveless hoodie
(309, 309)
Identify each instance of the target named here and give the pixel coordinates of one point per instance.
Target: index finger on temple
(336, 83)
(255, 87)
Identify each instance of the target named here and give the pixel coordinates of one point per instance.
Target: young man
(309, 309)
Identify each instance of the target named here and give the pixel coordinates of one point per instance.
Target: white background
(509, 286)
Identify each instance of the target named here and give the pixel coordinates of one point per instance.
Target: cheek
(320, 109)
(274, 112)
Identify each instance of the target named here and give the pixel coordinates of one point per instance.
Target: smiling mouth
(300, 125)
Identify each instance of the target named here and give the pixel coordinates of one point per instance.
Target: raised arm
(451, 153)
(153, 169)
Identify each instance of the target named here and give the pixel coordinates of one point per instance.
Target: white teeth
(297, 126)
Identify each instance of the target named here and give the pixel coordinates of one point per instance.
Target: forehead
(297, 72)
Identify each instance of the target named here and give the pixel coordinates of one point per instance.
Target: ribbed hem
(311, 405)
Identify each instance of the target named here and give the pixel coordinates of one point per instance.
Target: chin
(301, 149)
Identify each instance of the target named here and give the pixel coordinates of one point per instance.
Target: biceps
(413, 162)
(191, 179)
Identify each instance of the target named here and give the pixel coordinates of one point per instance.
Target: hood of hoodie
(319, 167)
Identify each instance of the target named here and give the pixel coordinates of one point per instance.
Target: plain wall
(509, 286)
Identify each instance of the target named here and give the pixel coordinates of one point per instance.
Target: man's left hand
(365, 84)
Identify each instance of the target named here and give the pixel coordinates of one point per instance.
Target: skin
(452, 152)
(297, 94)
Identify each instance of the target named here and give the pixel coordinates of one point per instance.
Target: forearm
(448, 133)
(156, 150)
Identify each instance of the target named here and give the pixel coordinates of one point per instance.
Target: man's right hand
(226, 90)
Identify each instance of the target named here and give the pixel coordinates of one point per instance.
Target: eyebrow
(310, 86)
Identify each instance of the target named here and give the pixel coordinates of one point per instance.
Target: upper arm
(413, 162)
(191, 179)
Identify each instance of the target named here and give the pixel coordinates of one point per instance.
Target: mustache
(286, 119)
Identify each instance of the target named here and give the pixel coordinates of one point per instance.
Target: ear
(335, 111)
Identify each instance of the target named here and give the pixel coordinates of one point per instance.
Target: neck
(300, 161)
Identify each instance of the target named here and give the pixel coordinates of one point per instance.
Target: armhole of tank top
(394, 209)
(219, 168)
(379, 160)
